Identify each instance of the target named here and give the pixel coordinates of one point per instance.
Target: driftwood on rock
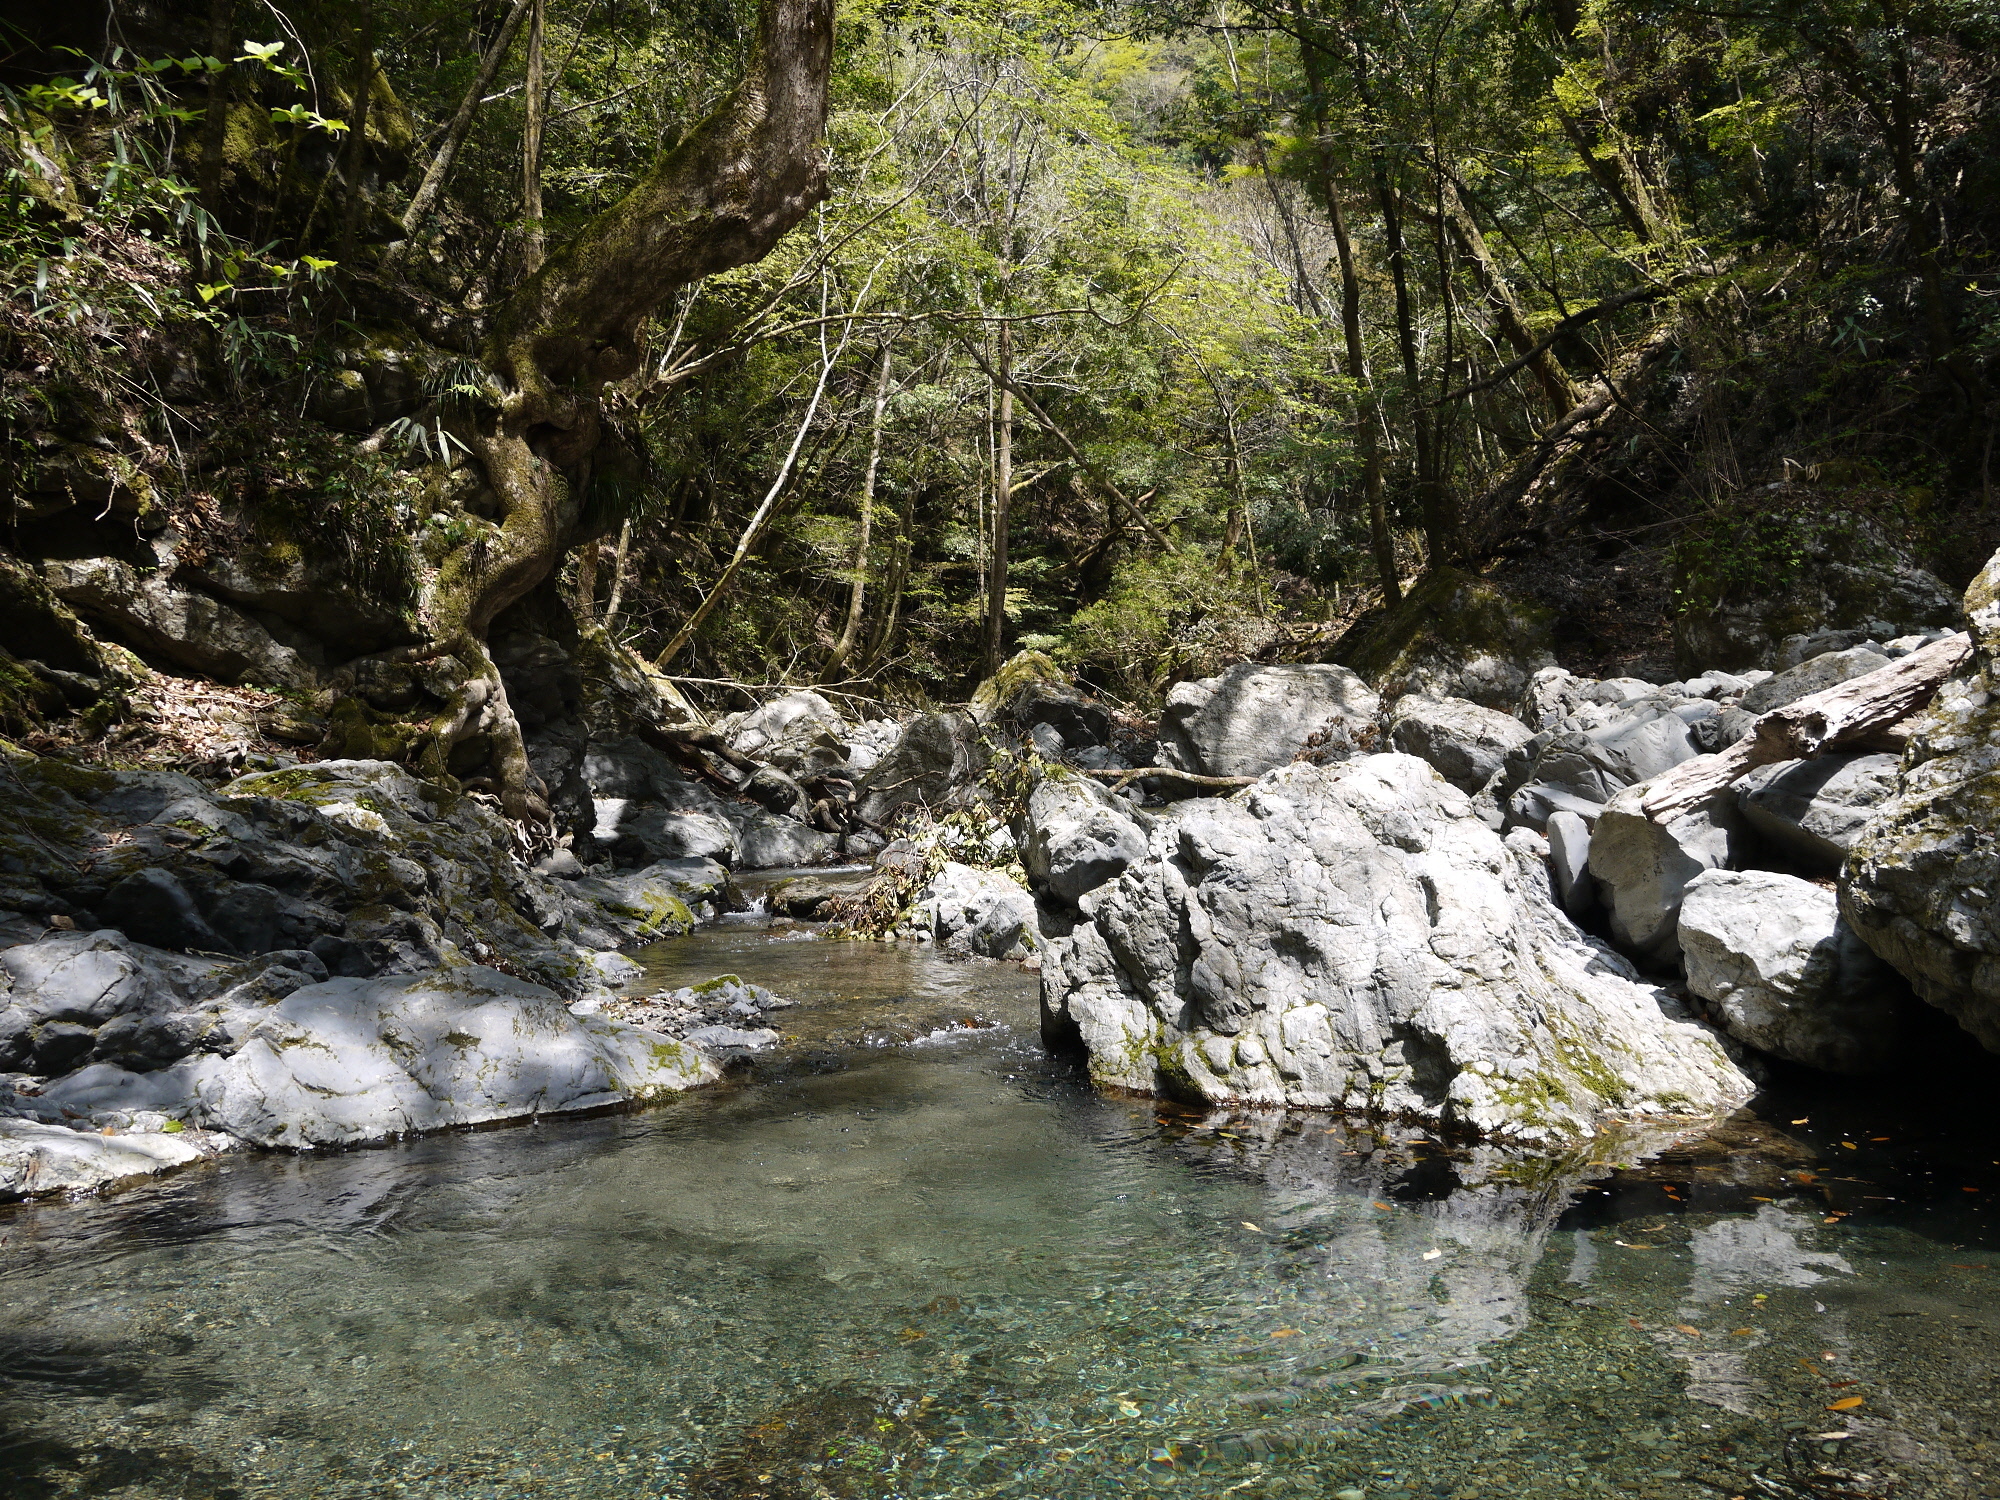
(1121, 779)
(1863, 713)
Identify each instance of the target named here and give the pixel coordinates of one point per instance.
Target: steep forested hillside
(1152, 335)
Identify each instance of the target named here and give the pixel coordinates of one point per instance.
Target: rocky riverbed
(1615, 904)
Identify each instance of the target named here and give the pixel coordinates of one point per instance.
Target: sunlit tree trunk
(1003, 494)
(1364, 419)
(534, 243)
(435, 174)
(721, 197)
(857, 597)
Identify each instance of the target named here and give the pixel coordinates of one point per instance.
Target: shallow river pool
(911, 1255)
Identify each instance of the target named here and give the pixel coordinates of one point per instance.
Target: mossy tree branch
(722, 197)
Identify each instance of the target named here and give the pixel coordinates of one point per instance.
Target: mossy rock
(1018, 673)
(1456, 635)
(354, 732)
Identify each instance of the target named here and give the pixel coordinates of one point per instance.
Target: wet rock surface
(722, 1016)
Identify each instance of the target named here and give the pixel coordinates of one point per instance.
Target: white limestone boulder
(1785, 974)
(1355, 937)
(1253, 718)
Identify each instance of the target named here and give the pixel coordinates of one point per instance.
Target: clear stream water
(911, 1255)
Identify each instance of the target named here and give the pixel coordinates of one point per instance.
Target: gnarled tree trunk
(722, 197)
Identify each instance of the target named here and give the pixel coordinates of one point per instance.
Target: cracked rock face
(1922, 881)
(1354, 936)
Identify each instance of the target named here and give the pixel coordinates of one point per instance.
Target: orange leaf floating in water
(1251, 1227)
(1878, 1137)
(1741, 1332)
(1691, 1332)
(1845, 1403)
(1384, 1205)
(1284, 1333)
(1850, 1145)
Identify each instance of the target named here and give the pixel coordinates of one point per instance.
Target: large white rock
(1253, 718)
(37, 1157)
(1078, 835)
(1642, 868)
(980, 912)
(800, 733)
(1461, 741)
(352, 1060)
(1354, 936)
(1785, 974)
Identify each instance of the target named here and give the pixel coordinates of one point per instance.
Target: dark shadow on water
(35, 1373)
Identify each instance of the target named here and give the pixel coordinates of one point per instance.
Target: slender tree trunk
(215, 116)
(1439, 511)
(1364, 424)
(1608, 180)
(754, 532)
(618, 560)
(1003, 495)
(884, 634)
(534, 244)
(355, 170)
(461, 125)
(836, 661)
(1508, 314)
(586, 584)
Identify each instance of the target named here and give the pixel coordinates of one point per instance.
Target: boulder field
(319, 956)
(1551, 908)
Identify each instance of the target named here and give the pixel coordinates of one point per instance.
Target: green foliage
(1736, 551)
(1163, 620)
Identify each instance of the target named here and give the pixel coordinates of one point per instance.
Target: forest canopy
(1149, 335)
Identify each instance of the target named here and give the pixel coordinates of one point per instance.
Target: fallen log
(1863, 713)
(1122, 779)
